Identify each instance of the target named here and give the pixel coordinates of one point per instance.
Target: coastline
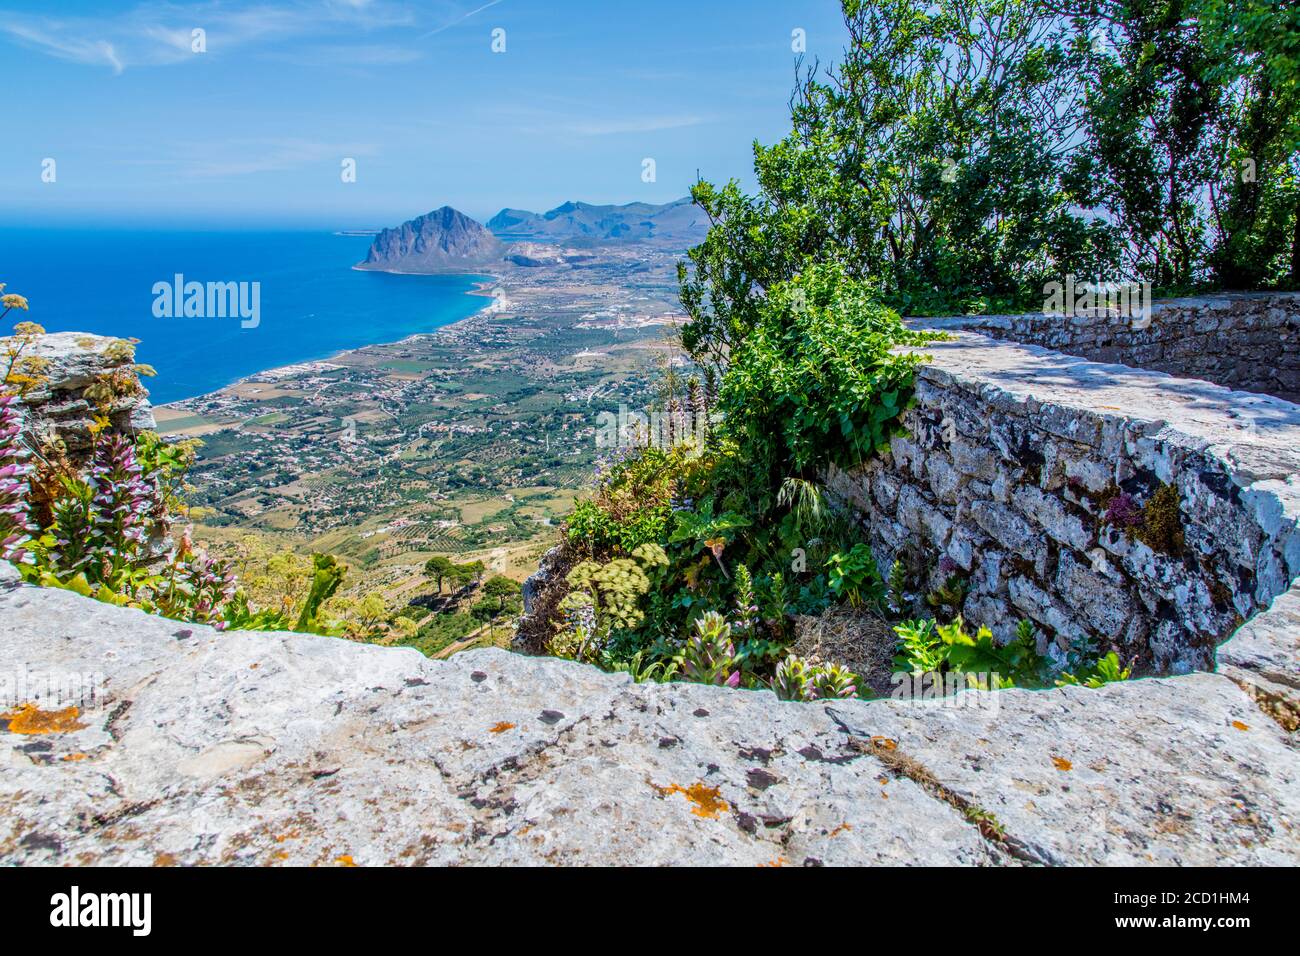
(480, 288)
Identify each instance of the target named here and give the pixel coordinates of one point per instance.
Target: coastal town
(471, 442)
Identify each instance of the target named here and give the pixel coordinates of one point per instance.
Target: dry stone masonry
(1248, 341)
(1148, 514)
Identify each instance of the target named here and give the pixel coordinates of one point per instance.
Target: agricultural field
(473, 442)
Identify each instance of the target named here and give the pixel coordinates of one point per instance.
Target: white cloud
(159, 32)
(566, 122)
(639, 124)
(225, 159)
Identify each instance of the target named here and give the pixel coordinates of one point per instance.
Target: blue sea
(313, 304)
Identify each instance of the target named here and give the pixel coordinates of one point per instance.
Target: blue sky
(253, 131)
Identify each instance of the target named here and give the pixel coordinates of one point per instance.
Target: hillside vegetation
(964, 155)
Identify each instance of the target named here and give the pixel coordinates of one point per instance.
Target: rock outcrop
(83, 376)
(197, 747)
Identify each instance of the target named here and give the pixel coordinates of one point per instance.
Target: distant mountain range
(446, 240)
(583, 224)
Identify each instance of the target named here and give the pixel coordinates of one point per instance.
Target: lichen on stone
(1161, 529)
(30, 719)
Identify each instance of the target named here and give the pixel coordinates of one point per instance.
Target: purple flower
(1123, 511)
(16, 528)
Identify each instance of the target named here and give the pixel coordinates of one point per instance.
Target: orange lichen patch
(842, 828)
(706, 802)
(74, 757)
(1062, 764)
(345, 860)
(779, 861)
(164, 859)
(1240, 726)
(279, 856)
(501, 728)
(30, 719)
(885, 742)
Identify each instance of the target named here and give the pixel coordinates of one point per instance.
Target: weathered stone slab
(204, 747)
(1264, 656)
(1172, 771)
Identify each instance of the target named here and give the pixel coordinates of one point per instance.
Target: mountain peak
(444, 240)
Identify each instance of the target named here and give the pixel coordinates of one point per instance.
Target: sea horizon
(311, 303)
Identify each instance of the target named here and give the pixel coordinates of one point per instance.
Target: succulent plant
(797, 678)
(709, 656)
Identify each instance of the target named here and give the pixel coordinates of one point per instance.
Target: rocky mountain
(680, 224)
(441, 241)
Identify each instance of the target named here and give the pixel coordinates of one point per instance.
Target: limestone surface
(190, 746)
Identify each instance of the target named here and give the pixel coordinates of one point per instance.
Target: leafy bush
(926, 647)
(1107, 670)
(855, 577)
(817, 380)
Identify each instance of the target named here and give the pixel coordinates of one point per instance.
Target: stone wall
(1012, 478)
(1245, 341)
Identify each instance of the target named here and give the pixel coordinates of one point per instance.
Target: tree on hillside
(461, 576)
(500, 596)
(438, 569)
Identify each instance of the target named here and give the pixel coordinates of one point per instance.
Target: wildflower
(16, 528)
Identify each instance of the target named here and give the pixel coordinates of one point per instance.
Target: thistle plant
(122, 503)
(193, 585)
(745, 620)
(16, 528)
(709, 656)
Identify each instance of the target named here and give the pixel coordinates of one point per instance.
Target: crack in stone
(1277, 707)
(902, 764)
